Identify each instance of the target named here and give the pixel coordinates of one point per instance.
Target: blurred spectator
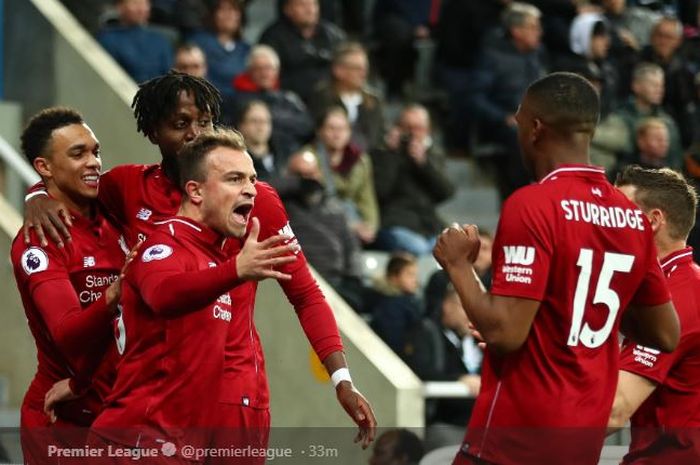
(347, 173)
(349, 13)
(651, 148)
(397, 24)
(610, 142)
(664, 50)
(304, 43)
(88, 12)
(255, 124)
(395, 307)
(410, 180)
(397, 447)
(190, 59)
(460, 36)
(142, 51)
(348, 88)
(185, 15)
(226, 52)
(442, 348)
(505, 70)
(590, 41)
(291, 124)
(648, 93)
(323, 232)
(631, 26)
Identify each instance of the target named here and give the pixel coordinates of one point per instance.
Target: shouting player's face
(183, 125)
(228, 192)
(71, 165)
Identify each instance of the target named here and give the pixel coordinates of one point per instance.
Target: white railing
(17, 163)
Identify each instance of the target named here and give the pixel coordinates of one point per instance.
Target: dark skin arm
(46, 216)
(353, 402)
(656, 326)
(503, 322)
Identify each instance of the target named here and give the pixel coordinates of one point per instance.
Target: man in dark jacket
(410, 180)
(304, 43)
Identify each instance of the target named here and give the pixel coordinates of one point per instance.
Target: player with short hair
(69, 293)
(574, 262)
(661, 392)
(171, 111)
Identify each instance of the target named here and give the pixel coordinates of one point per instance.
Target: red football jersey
(62, 292)
(574, 243)
(666, 427)
(140, 195)
(171, 337)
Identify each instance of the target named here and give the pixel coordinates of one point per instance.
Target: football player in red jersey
(661, 392)
(70, 294)
(171, 111)
(573, 261)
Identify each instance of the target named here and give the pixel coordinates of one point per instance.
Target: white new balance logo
(596, 191)
(519, 254)
(144, 214)
(88, 262)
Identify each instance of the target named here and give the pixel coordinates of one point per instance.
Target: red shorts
(241, 436)
(45, 443)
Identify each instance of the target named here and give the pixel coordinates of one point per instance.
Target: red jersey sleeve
(647, 362)
(170, 285)
(302, 291)
(114, 186)
(654, 288)
(523, 248)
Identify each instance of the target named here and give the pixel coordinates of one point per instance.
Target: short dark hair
(245, 109)
(327, 112)
(398, 261)
(238, 5)
(157, 98)
(37, 134)
(347, 48)
(566, 101)
(666, 190)
(410, 445)
(191, 159)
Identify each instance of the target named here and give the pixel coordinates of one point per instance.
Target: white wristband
(31, 195)
(341, 374)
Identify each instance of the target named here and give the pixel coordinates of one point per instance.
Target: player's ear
(193, 189)
(537, 128)
(42, 166)
(657, 218)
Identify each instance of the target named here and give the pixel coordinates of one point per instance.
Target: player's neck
(82, 206)
(665, 246)
(191, 211)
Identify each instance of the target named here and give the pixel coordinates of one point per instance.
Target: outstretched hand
(359, 410)
(256, 260)
(46, 215)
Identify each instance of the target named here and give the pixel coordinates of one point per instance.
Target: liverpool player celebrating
(69, 294)
(171, 110)
(664, 389)
(574, 261)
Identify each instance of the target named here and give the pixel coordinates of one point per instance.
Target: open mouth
(242, 212)
(91, 180)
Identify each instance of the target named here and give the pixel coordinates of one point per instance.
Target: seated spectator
(304, 43)
(442, 348)
(348, 88)
(631, 27)
(648, 93)
(222, 44)
(398, 24)
(394, 306)
(190, 59)
(397, 447)
(323, 232)
(651, 148)
(142, 51)
(291, 124)
(506, 68)
(255, 124)
(589, 40)
(410, 180)
(347, 173)
(664, 50)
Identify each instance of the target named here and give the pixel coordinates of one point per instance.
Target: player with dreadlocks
(171, 111)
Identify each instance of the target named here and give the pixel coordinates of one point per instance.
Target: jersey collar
(676, 258)
(194, 229)
(574, 170)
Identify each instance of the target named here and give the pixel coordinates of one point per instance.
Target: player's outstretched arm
(46, 216)
(352, 401)
(632, 391)
(652, 326)
(504, 322)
